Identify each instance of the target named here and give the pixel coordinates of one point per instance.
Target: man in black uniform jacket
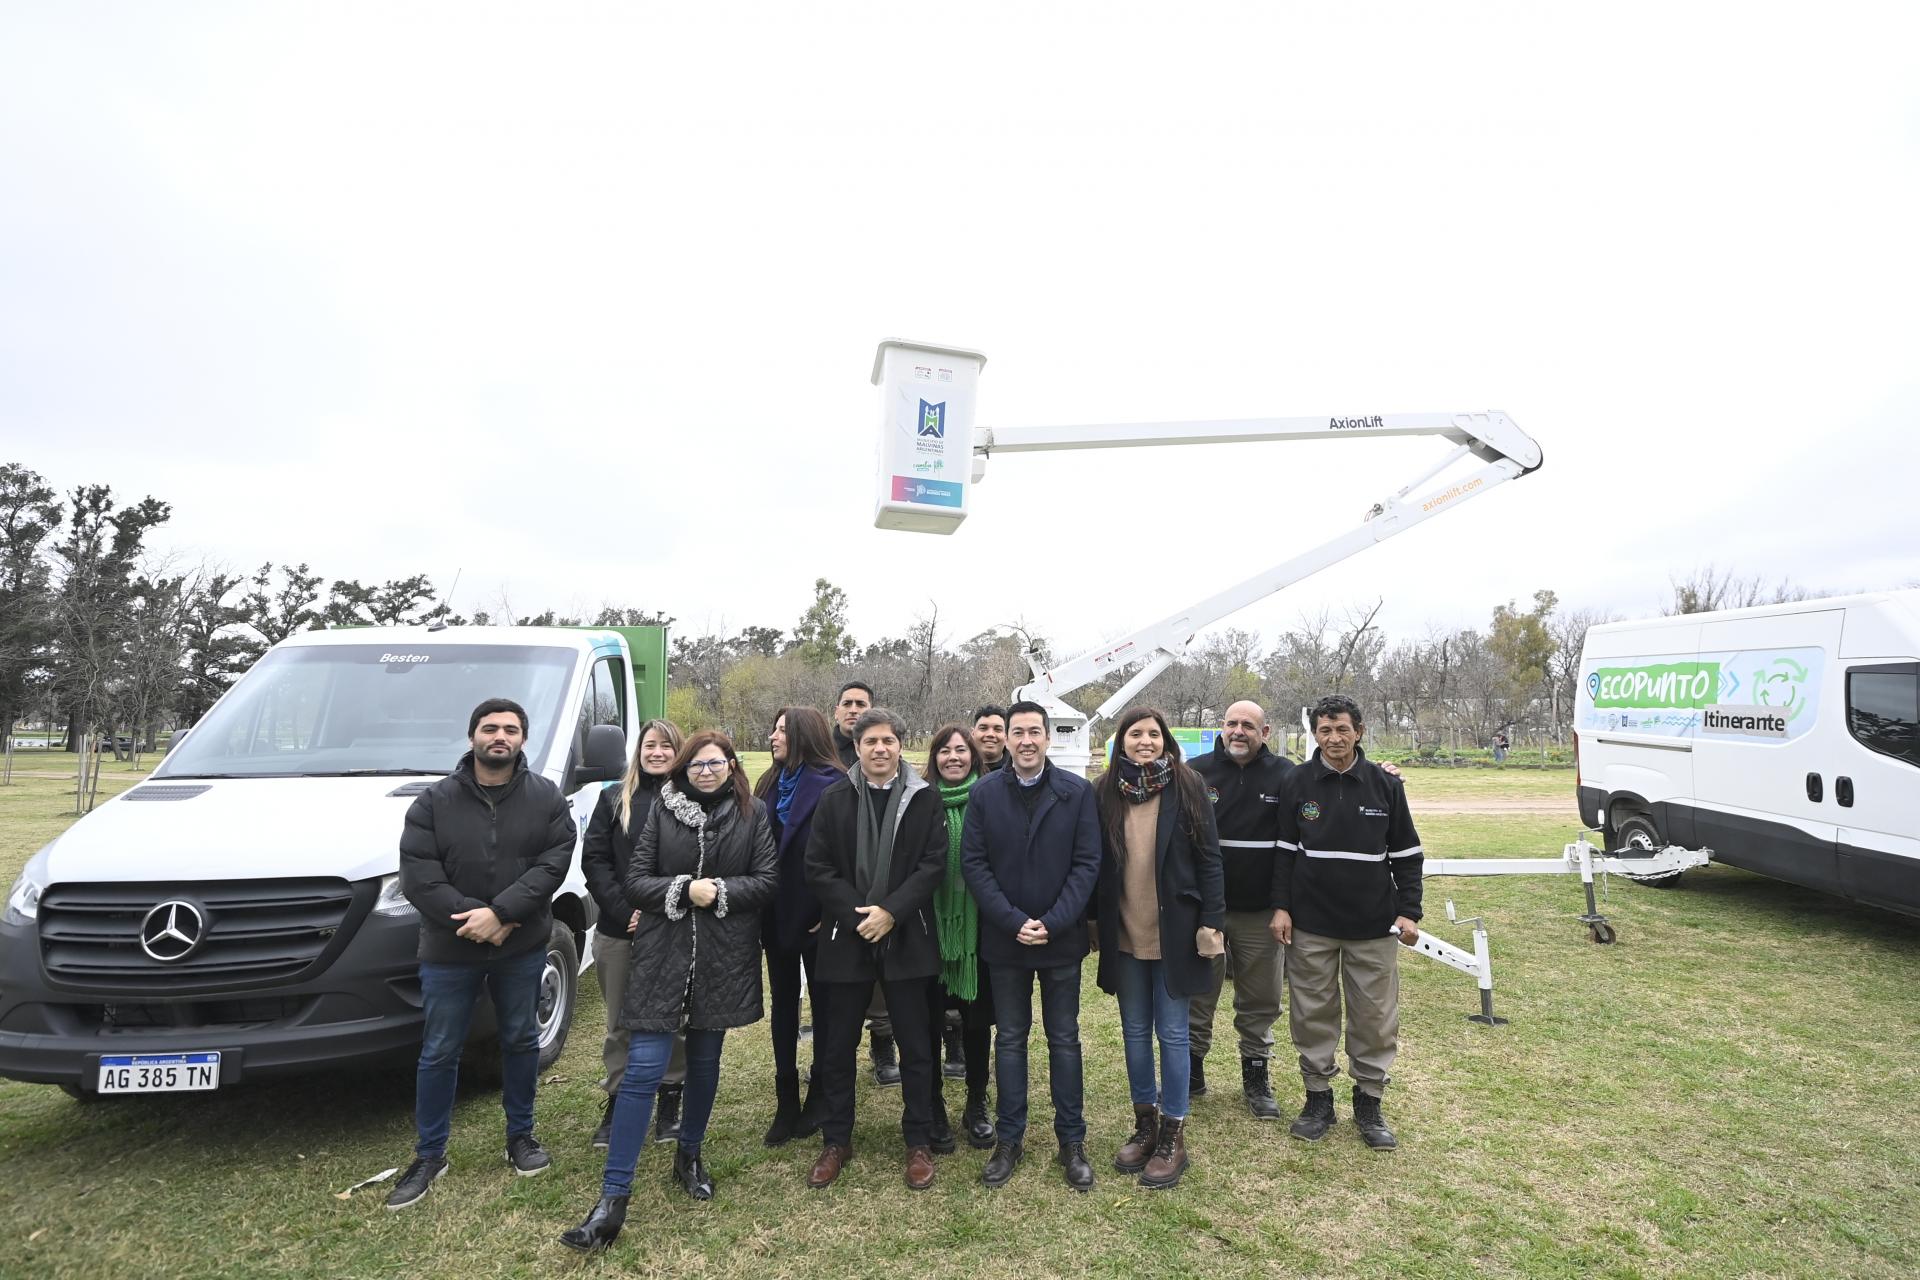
(1346, 875)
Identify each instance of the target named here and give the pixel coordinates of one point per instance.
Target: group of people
(926, 902)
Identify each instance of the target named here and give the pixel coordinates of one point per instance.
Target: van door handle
(1814, 790)
(1843, 792)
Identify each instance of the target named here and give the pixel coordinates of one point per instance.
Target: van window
(609, 692)
(1883, 709)
(321, 710)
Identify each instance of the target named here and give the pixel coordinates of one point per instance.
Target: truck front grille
(243, 932)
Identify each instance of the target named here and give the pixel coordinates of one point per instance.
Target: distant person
(874, 860)
(619, 816)
(702, 872)
(953, 766)
(804, 766)
(1031, 853)
(1161, 909)
(482, 853)
(1500, 748)
(854, 700)
(1347, 875)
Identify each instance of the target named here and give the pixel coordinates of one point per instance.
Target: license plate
(159, 1072)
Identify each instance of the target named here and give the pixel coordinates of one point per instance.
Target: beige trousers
(1258, 965)
(1367, 972)
(612, 958)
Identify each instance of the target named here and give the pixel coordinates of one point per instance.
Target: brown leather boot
(1137, 1150)
(919, 1168)
(1169, 1156)
(832, 1160)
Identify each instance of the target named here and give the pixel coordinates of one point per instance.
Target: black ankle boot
(977, 1122)
(691, 1173)
(786, 1115)
(1257, 1091)
(1315, 1118)
(940, 1131)
(809, 1122)
(604, 1134)
(1372, 1126)
(601, 1228)
(886, 1062)
(1197, 1087)
(666, 1115)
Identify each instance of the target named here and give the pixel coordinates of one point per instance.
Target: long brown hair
(736, 776)
(1188, 788)
(630, 781)
(809, 742)
(940, 737)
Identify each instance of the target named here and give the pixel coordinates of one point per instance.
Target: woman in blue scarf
(804, 766)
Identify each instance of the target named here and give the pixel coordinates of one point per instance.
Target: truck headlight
(391, 901)
(23, 900)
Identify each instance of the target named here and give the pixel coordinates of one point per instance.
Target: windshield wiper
(379, 773)
(196, 777)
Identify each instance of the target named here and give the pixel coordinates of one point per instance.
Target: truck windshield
(370, 709)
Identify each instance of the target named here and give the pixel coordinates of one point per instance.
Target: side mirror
(606, 755)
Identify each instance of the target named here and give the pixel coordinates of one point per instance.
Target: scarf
(1140, 782)
(955, 913)
(873, 837)
(788, 784)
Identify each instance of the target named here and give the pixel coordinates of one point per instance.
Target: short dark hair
(494, 706)
(1333, 705)
(876, 716)
(991, 709)
(1024, 708)
(861, 685)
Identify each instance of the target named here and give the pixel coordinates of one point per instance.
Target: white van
(1786, 738)
(239, 913)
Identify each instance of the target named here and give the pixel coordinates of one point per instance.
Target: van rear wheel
(1635, 836)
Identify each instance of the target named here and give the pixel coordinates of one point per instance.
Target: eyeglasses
(707, 766)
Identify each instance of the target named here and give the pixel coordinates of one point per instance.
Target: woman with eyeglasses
(703, 870)
(804, 766)
(1161, 908)
(618, 819)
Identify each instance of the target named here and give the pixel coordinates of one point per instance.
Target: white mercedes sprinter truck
(238, 914)
(1786, 738)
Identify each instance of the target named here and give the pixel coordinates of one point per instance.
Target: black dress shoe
(690, 1171)
(1001, 1164)
(601, 1228)
(1079, 1170)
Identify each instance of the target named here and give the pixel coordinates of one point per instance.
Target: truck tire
(1635, 836)
(559, 985)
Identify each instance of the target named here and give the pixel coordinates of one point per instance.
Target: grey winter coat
(698, 966)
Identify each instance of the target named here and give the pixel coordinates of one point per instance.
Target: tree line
(102, 634)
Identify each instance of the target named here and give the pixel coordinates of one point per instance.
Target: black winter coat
(787, 923)
(697, 966)
(459, 850)
(1188, 884)
(607, 851)
(912, 949)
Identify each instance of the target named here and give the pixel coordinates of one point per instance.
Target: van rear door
(1879, 799)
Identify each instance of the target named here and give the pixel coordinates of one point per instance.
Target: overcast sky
(580, 302)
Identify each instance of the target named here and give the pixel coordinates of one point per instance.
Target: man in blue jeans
(482, 853)
(1030, 852)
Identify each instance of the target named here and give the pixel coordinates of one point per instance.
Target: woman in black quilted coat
(704, 867)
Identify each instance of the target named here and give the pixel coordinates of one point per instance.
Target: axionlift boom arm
(1502, 450)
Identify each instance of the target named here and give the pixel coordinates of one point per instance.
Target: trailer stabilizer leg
(1486, 1016)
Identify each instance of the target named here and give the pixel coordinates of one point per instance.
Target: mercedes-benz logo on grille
(172, 931)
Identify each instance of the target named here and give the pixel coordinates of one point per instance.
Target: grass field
(1726, 1092)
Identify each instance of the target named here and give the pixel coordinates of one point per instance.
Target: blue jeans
(448, 993)
(647, 1055)
(1013, 1020)
(1148, 1011)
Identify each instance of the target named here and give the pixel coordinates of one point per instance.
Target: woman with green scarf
(953, 763)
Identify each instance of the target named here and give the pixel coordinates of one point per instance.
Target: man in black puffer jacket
(482, 854)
